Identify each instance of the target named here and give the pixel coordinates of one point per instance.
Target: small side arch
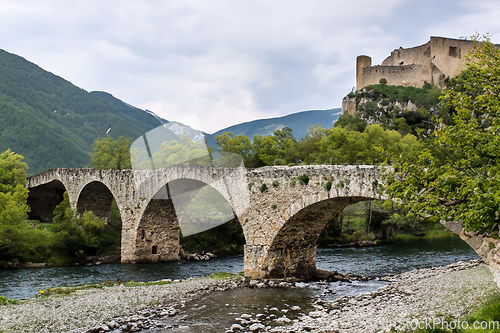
(43, 199)
(97, 198)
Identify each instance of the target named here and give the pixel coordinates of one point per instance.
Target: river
(374, 261)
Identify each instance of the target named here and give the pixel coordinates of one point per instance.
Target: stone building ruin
(432, 62)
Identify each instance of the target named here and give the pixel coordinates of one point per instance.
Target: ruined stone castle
(432, 62)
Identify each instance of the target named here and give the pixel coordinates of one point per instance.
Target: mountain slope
(142, 119)
(299, 123)
(53, 123)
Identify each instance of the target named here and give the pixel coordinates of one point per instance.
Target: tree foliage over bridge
(457, 176)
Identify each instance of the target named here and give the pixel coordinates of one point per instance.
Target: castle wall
(406, 75)
(431, 62)
(415, 55)
(449, 54)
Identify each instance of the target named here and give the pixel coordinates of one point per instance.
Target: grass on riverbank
(62, 291)
(6, 301)
(435, 232)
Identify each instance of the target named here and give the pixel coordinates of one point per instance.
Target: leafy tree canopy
(457, 177)
(18, 242)
(111, 154)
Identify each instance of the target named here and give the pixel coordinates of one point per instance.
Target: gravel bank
(453, 290)
(87, 309)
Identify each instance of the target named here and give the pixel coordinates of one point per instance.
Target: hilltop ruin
(432, 62)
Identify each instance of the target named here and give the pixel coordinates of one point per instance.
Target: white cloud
(227, 61)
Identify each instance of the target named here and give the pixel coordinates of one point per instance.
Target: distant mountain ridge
(53, 123)
(299, 122)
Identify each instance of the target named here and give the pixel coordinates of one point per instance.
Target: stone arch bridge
(281, 221)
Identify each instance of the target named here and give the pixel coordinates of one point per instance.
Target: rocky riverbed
(124, 308)
(451, 290)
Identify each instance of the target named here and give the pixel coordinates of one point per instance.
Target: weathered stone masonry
(280, 224)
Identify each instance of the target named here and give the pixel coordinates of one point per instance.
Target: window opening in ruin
(143, 234)
(154, 250)
(453, 51)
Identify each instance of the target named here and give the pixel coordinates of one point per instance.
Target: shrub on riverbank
(71, 238)
(76, 237)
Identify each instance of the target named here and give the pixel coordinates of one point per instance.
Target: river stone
(282, 320)
(255, 327)
(236, 327)
(252, 283)
(245, 322)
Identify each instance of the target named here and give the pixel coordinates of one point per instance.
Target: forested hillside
(53, 123)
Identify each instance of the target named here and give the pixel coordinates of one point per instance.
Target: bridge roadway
(281, 223)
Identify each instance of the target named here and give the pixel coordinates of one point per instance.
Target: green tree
(277, 149)
(111, 154)
(238, 144)
(18, 240)
(458, 175)
(374, 145)
(13, 207)
(78, 236)
(184, 151)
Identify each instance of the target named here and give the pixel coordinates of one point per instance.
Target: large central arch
(290, 206)
(158, 231)
(293, 250)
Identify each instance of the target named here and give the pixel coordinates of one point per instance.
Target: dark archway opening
(97, 198)
(43, 200)
(197, 209)
(222, 232)
(293, 250)
(370, 221)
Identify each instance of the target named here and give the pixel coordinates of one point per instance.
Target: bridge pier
(263, 263)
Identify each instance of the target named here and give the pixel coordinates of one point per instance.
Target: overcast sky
(228, 61)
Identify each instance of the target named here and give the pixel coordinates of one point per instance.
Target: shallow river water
(374, 261)
(218, 311)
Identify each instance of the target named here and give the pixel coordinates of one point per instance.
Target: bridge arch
(292, 251)
(96, 197)
(44, 198)
(177, 205)
(289, 213)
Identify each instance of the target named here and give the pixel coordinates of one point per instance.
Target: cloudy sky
(228, 61)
